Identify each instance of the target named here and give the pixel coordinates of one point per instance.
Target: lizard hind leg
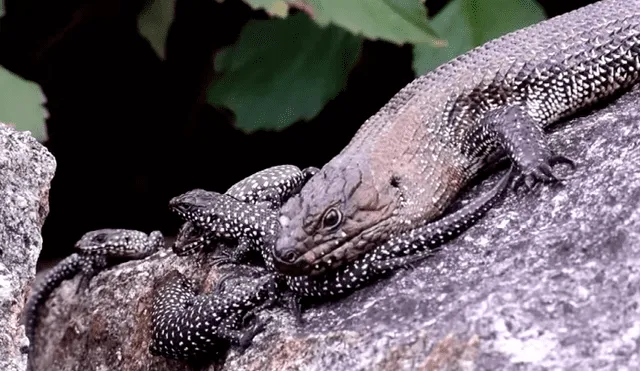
(525, 144)
(89, 267)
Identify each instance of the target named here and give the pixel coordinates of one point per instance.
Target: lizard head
(120, 243)
(338, 215)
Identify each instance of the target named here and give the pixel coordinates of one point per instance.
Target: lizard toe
(251, 333)
(543, 172)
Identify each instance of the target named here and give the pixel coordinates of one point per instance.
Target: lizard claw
(83, 285)
(221, 284)
(555, 160)
(247, 338)
(542, 173)
(222, 259)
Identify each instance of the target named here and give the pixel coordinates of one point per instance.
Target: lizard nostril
(286, 255)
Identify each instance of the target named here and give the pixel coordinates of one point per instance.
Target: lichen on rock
(26, 171)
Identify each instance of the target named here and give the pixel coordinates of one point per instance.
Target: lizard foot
(221, 259)
(542, 173)
(246, 340)
(293, 304)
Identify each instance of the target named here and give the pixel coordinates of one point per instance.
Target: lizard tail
(67, 268)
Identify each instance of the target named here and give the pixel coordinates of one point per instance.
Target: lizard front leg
(89, 267)
(190, 239)
(523, 141)
(240, 254)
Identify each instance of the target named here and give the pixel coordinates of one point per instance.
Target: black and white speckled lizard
(96, 250)
(269, 188)
(191, 327)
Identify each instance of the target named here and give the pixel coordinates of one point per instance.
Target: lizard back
(409, 161)
(555, 68)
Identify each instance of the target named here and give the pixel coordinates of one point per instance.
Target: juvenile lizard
(410, 160)
(270, 188)
(187, 326)
(96, 250)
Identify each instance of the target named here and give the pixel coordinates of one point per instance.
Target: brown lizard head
(339, 214)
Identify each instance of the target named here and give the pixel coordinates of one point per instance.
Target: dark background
(130, 131)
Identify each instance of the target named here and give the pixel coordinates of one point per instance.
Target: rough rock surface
(26, 171)
(549, 280)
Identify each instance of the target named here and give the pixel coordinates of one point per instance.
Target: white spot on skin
(284, 221)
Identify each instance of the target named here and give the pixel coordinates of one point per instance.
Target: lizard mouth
(291, 266)
(324, 257)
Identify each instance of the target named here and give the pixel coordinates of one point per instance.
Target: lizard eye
(332, 218)
(100, 238)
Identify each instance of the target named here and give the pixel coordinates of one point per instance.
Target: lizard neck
(425, 171)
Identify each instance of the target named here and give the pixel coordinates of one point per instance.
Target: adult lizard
(410, 160)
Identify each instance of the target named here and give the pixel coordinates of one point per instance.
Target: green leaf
(282, 70)
(22, 104)
(154, 22)
(398, 21)
(273, 7)
(466, 24)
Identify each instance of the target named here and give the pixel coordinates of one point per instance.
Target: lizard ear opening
(395, 181)
(100, 238)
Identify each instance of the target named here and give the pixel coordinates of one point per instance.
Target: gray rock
(548, 280)
(26, 170)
